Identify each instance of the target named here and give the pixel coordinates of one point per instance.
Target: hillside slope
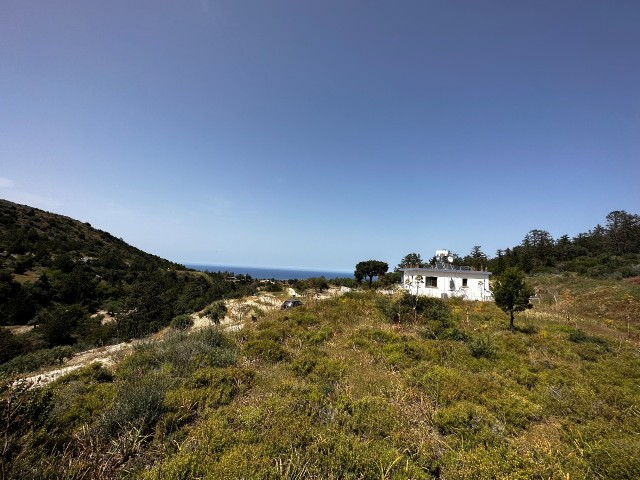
(336, 389)
(63, 276)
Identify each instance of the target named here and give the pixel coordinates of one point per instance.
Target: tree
(512, 293)
(58, 324)
(370, 268)
(623, 230)
(477, 258)
(411, 260)
(538, 246)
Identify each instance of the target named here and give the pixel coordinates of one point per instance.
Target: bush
(443, 385)
(215, 312)
(483, 347)
(616, 458)
(210, 388)
(318, 337)
(578, 336)
(372, 417)
(418, 308)
(470, 423)
(30, 362)
(183, 353)
(10, 346)
(138, 404)
(266, 349)
(182, 322)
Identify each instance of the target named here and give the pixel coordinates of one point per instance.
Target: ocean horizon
(268, 273)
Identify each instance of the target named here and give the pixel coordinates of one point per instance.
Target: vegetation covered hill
(56, 273)
(355, 387)
(364, 385)
(610, 251)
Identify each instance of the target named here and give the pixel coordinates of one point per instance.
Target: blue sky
(321, 133)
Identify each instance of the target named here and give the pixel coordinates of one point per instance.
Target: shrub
(372, 417)
(80, 398)
(182, 322)
(442, 384)
(615, 458)
(10, 346)
(307, 361)
(470, 423)
(406, 353)
(210, 388)
(410, 308)
(318, 337)
(137, 404)
(32, 361)
(267, 349)
(483, 347)
(578, 336)
(450, 334)
(183, 353)
(215, 312)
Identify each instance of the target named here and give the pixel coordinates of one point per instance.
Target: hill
(338, 389)
(79, 286)
(356, 386)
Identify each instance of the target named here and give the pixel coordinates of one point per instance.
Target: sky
(320, 133)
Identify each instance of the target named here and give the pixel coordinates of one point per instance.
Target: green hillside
(63, 277)
(358, 386)
(336, 389)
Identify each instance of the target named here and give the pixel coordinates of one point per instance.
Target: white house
(444, 280)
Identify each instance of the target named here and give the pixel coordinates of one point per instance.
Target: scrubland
(359, 386)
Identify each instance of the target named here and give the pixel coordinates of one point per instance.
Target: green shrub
(80, 398)
(183, 353)
(137, 404)
(406, 353)
(578, 336)
(410, 308)
(266, 349)
(318, 337)
(442, 384)
(303, 318)
(32, 361)
(468, 422)
(182, 322)
(94, 372)
(307, 361)
(483, 347)
(450, 334)
(209, 388)
(215, 312)
(616, 458)
(372, 417)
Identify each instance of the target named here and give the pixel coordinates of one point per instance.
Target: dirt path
(238, 312)
(104, 355)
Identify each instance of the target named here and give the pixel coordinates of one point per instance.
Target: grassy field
(336, 389)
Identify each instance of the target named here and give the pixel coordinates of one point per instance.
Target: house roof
(447, 270)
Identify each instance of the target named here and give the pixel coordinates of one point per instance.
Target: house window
(430, 281)
(464, 282)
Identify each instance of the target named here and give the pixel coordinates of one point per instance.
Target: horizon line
(308, 269)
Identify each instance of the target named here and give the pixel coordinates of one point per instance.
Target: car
(291, 303)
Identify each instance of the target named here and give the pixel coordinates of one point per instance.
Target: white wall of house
(447, 283)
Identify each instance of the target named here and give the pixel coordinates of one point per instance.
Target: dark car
(291, 303)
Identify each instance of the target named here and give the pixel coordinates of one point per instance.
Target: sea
(264, 273)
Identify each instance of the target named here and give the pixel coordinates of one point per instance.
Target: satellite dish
(450, 259)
